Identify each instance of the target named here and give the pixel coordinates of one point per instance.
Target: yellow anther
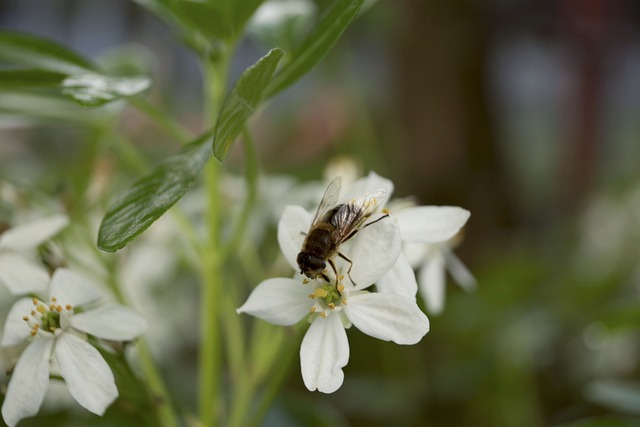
(323, 315)
(41, 309)
(331, 305)
(68, 307)
(52, 307)
(340, 288)
(33, 312)
(341, 277)
(305, 281)
(58, 308)
(386, 211)
(312, 296)
(25, 318)
(35, 301)
(344, 301)
(320, 293)
(54, 299)
(313, 309)
(33, 332)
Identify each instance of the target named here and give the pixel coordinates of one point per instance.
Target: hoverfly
(333, 225)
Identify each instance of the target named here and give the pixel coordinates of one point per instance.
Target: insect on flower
(332, 225)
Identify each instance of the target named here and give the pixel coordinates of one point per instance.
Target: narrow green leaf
(27, 104)
(316, 45)
(36, 52)
(92, 89)
(242, 101)
(29, 78)
(151, 196)
(211, 18)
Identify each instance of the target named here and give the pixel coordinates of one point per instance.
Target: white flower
(432, 261)
(18, 269)
(325, 349)
(428, 235)
(56, 330)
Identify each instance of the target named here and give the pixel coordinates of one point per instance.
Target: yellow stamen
(35, 301)
(25, 318)
(320, 293)
(312, 296)
(344, 301)
(305, 281)
(341, 277)
(323, 315)
(54, 299)
(312, 309)
(52, 307)
(41, 309)
(387, 211)
(340, 288)
(58, 308)
(331, 305)
(68, 307)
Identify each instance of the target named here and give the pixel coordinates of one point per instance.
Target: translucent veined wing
(355, 212)
(329, 199)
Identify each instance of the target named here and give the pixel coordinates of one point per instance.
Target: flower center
(48, 317)
(328, 298)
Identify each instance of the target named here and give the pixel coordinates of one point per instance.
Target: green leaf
(29, 78)
(211, 18)
(27, 104)
(242, 101)
(151, 196)
(92, 89)
(316, 45)
(36, 52)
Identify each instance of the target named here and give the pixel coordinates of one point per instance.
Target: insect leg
(335, 270)
(373, 222)
(344, 257)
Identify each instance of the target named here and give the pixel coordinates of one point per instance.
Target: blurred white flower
(19, 271)
(282, 22)
(432, 261)
(57, 330)
(340, 303)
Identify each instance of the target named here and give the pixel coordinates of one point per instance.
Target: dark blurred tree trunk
(452, 157)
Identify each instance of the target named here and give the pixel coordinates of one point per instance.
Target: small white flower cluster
(56, 327)
(375, 256)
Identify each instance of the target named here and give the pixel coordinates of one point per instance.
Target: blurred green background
(524, 112)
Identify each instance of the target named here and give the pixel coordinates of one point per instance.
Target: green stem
(210, 359)
(210, 363)
(251, 176)
(161, 118)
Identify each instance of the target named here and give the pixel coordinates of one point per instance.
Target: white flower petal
(29, 382)
(279, 300)
(371, 182)
(323, 354)
(460, 272)
(293, 226)
(22, 276)
(71, 288)
(400, 280)
(431, 224)
(415, 252)
(31, 235)
(111, 322)
(387, 317)
(88, 377)
(373, 251)
(431, 282)
(16, 330)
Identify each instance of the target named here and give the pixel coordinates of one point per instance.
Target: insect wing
(355, 212)
(329, 199)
